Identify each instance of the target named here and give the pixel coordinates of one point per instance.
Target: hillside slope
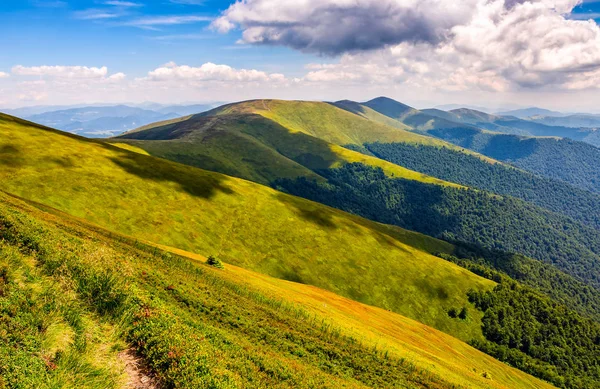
(252, 147)
(567, 160)
(563, 159)
(241, 222)
(453, 214)
(198, 326)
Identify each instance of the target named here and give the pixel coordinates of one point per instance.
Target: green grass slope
(243, 223)
(324, 121)
(80, 304)
(252, 147)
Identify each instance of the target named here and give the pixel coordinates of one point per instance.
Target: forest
(562, 159)
(532, 333)
(469, 170)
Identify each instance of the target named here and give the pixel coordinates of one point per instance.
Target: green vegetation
(470, 171)
(538, 336)
(462, 215)
(73, 296)
(252, 147)
(240, 222)
(561, 159)
(548, 280)
(324, 121)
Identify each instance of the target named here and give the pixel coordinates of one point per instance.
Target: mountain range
(272, 243)
(104, 121)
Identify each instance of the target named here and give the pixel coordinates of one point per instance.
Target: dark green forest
(548, 280)
(468, 170)
(466, 215)
(532, 333)
(562, 159)
(539, 333)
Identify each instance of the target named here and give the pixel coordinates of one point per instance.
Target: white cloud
(4, 75)
(97, 14)
(490, 45)
(211, 72)
(125, 4)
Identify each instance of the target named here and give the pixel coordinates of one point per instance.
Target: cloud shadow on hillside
(205, 185)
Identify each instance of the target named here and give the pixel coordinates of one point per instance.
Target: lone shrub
(214, 262)
(453, 313)
(463, 314)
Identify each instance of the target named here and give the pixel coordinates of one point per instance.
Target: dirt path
(138, 375)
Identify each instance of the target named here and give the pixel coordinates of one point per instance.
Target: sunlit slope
(209, 319)
(253, 147)
(324, 121)
(241, 222)
(334, 124)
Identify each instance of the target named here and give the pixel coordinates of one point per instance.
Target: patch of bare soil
(138, 375)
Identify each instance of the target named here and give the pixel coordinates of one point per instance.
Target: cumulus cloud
(4, 75)
(488, 44)
(337, 26)
(211, 72)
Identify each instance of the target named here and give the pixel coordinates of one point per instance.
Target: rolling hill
(232, 140)
(562, 159)
(209, 213)
(84, 305)
(102, 121)
(250, 146)
(263, 230)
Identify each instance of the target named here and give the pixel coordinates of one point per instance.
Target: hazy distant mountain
(530, 112)
(100, 121)
(449, 107)
(577, 120)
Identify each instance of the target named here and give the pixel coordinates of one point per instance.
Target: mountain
(209, 213)
(177, 316)
(559, 159)
(262, 145)
(575, 121)
(101, 121)
(283, 138)
(87, 305)
(530, 112)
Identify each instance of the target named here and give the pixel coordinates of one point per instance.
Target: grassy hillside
(493, 222)
(324, 121)
(241, 222)
(252, 147)
(81, 303)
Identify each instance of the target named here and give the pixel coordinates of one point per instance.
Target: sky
(489, 53)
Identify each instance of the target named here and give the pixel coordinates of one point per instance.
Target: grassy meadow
(240, 222)
(75, 297)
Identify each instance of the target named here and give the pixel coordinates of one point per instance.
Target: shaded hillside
(563, 159)
(465, 215)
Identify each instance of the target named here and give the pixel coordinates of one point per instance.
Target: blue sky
(80, 32)
(423, 52)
